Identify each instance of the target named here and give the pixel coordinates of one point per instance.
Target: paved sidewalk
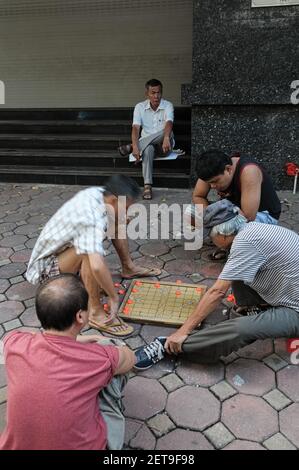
(250, 400)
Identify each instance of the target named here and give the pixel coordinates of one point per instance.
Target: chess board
(167, 303)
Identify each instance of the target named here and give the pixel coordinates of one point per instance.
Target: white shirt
(81, 222)
(152, 121)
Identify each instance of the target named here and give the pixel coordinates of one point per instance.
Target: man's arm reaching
(207, 304)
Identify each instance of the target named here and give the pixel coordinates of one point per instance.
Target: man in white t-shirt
(154, 118)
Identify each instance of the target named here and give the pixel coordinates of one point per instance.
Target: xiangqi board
(167, 303)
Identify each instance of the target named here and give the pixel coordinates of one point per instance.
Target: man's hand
(136, 152)
(174, 342)
(166, 146)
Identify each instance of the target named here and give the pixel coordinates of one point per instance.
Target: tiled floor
(250, 400)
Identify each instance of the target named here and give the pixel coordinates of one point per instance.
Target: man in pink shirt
(62, 389)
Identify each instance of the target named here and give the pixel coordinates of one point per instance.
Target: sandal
(218, 255)
(125, 150)
(147, 192)
(113, 328)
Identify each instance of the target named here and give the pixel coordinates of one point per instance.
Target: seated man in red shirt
(55, 378)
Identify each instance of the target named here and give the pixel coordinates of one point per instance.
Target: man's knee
(149, 152)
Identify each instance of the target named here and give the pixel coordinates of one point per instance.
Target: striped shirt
(266, 258)
(80, 223)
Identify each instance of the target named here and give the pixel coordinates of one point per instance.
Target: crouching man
(64, 390)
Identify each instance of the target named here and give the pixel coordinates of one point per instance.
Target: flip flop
(153, 272)
(218, 255)
(109, 328)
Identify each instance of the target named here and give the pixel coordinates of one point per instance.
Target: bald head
(58, 300)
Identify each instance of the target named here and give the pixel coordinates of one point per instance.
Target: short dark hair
(58, 300)
(120, 185)
(212, 163)
(153, 82)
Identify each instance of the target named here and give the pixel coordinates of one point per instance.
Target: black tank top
(269, 199)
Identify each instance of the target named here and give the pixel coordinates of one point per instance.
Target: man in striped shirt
(72, 241)
(262, 268)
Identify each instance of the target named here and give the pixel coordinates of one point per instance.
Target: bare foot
(99, 317)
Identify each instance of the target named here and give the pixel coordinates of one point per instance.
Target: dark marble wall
(244, 61)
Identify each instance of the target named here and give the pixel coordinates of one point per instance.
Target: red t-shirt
(53, 386)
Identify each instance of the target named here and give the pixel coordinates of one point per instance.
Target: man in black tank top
(241, 180)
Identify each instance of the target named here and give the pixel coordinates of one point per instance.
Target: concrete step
(97, 126)
(84, 176)
(181, 112)
(81, 158)
(71, 141)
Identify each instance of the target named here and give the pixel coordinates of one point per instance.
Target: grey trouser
(151, 147)
(209, 344)
(110, 404)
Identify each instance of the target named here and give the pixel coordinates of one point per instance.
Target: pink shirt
(53, 386)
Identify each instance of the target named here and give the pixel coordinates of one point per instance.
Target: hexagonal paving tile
(211, 270)
(200, 374)
(5, 253)
(10, 310)
(288, 381)
(183, 440)
(144, 439)
(31, 243)
(13, 240)
(21, 291)
(150, 332)
(249, 418)
(154, 248)
(179, 252)
(144, 398)
(164, 367)
(22, 256)
(181, 267)
(29, 318)
(250, 377)
(6, 227)
(131, 429)
(203, 408)
(4, 285)
(280, 347)
(289, 423)
(26, 229)
(257, 350)
(243, 445)
(12, 270)
(148, 262)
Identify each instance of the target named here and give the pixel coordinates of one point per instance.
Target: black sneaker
(149, 355)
